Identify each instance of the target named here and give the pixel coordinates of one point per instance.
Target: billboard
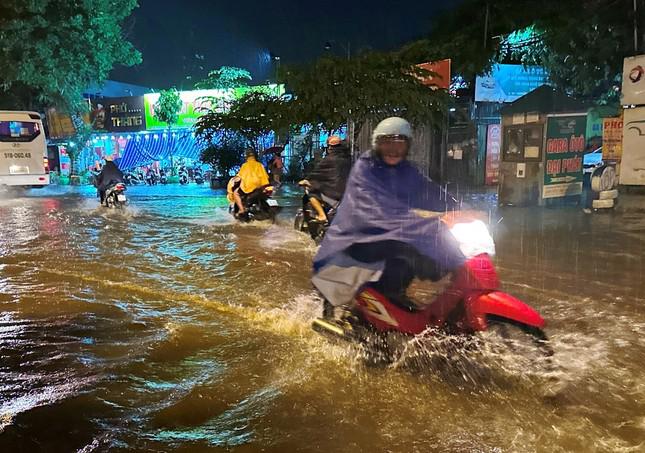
(565, 146)
(634, 80)
(124, 114)
(632, 167)
(61, 124)
(508, 82)
(196, 103)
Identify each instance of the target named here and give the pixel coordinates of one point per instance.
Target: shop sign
(565, 147)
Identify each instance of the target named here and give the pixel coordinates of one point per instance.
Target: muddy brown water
(170, 328)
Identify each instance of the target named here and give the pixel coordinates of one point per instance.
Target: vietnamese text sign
(124, 114)
(632, 166)
(508, 82)
(612, 139)
(198, 102)
(493, 147)
(565, 146)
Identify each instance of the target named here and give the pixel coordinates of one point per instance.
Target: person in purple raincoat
(387, 230)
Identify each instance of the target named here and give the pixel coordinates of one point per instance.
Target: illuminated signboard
(508, 82)
(124, 114)
(196, 103)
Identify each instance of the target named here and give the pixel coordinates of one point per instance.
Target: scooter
(258, 205)
(198, 177)
(151, 178)
(473, 302)
(132, 179)
(183, 177)
(115, 196)
(305, 220)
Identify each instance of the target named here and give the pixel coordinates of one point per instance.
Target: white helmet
(393, 126)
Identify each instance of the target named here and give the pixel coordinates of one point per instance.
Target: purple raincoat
(379, 205)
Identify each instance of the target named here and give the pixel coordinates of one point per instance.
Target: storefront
(542, 147)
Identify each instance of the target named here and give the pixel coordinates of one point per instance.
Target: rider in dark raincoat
(110, 175)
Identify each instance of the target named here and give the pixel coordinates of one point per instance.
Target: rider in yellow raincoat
(251, 177)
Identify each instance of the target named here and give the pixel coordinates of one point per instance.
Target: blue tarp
(145, 149)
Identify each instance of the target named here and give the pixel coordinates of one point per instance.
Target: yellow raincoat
(253, 176)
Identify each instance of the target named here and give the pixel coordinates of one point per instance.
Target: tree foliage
(326, 94)
(371, 86)
(581, 43)
(51, 50)
(168, 106)
(224, 154)
(224, 78)
(252, 118)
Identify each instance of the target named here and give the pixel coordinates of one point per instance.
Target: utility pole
(636, 48)
(486, 25)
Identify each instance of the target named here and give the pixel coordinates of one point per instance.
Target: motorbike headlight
(473, 238)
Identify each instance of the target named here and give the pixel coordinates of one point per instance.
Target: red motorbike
(471, 303)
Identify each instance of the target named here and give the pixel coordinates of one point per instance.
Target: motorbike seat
(405, 303)
(400, 300)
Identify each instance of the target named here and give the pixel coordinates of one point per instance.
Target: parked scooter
(198, 176)
(183, 176)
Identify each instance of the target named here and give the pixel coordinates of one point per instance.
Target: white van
(23, 150)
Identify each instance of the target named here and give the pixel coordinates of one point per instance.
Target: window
(522, 143)
(18, 131)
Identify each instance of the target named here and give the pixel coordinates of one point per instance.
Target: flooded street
(169, 328)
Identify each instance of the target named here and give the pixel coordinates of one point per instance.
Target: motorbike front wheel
(523, 347)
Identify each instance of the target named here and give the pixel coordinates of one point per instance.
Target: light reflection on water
(169, 326)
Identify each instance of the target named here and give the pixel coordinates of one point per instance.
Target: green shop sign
(565, 146)
(196, 103)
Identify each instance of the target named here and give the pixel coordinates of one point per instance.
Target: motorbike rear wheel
(299, 221)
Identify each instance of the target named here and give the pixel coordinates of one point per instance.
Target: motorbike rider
(250, 181)
(327, 180)
(109, 175)
(387, 229)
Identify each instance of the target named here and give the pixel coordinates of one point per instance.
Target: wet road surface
(170, 328)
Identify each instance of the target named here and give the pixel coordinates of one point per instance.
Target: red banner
(441, 78)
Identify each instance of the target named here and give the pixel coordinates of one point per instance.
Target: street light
(277, 60)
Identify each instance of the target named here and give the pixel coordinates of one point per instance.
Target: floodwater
(170, 328)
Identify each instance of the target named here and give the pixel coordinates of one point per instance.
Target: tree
(372, 86)
(252, 117)
(225, 154)
(78, 143)
(167, 110)
(168, 106)
(52, 50)
(326, 94)
(225, 78)
(581, 43)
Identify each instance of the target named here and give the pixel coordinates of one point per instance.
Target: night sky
(170, 33)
